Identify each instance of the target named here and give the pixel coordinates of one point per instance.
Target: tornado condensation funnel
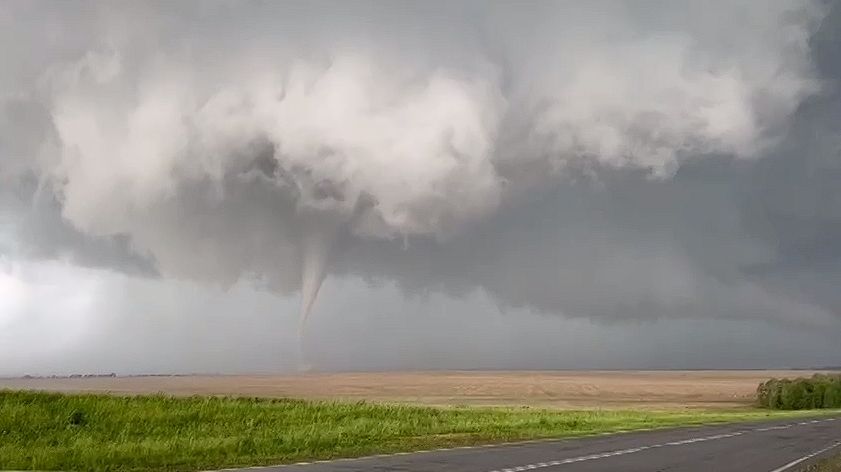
(318, 236)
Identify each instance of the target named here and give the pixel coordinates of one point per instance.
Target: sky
(223, 187)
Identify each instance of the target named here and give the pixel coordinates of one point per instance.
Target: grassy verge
(832, 464)
(154, 433)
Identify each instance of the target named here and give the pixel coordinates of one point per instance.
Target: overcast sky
(511, 185)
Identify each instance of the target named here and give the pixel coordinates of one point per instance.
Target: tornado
(318, 237)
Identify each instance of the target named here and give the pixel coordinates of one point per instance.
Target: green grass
(49, 431)
(832, 464)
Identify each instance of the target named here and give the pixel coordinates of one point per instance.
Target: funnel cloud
(604, 163)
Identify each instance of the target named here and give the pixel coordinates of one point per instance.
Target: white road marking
(620, 452)
(806, 457)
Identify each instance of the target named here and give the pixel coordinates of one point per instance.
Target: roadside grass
(832, 464)
(49, 431)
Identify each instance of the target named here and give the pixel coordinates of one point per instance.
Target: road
(754, 447)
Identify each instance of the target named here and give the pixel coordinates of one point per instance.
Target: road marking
(806, 458)
(621, 452)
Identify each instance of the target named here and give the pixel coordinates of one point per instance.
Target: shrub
(819, 391)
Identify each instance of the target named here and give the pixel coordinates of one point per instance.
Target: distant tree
(819, 391)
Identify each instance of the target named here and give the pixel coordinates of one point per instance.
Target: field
(549, 389)
(49, 431)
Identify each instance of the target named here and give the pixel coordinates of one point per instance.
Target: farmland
(649, 390)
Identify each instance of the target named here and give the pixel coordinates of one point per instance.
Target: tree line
(819, 391)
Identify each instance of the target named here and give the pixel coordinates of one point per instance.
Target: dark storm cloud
(723, 238)
(36, 230)
(616, 161)
(627, 249)
(792, 200)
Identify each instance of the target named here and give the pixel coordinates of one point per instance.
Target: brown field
(555, 389)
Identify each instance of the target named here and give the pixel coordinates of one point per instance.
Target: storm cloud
(606, 161)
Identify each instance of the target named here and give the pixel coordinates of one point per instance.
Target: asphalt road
(748, 447)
